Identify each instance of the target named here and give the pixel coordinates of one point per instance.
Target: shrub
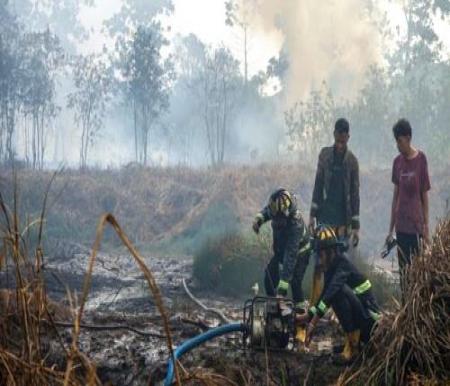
(230, 264)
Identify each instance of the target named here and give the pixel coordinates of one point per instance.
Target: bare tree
(41, 59)
(93, 80)
(310, 122)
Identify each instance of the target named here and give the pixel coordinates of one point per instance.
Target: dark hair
(342, 126)
(402, 129)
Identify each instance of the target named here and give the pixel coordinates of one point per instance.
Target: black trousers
(408, 246)
(272, 277)
(352, 314)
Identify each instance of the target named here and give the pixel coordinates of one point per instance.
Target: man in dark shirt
(409, 213)
(336, 189)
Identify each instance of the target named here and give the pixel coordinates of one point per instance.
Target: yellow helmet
(325, 237)
(280, 202)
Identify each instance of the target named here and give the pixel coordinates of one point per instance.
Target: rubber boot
(338, 349)
(300, 330)
(316, 286)
(350, 351)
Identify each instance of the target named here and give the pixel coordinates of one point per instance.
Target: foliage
(309, 122)
(41, 59)
(135, 13)
(29, 64)
(146, 78)
(229, 264)
(211, 77)
(93, 83)
(59, 16)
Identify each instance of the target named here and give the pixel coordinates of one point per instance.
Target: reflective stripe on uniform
(364, 287)
(259, 216)
(305, 248)
(313, 310)
(301, 304)
(322, 306)
(283, 285)
(355, 218)
(375, 315)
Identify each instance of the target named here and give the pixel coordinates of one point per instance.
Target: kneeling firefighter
(291, 246)
(347, 291)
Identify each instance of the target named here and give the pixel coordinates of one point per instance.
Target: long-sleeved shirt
(323, 185)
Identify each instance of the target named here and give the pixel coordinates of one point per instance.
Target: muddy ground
(120, 297)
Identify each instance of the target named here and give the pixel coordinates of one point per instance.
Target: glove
(282, 288)
(257, 222)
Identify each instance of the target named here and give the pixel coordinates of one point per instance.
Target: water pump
(269, 322)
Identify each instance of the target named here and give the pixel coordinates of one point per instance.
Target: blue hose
(197, 341)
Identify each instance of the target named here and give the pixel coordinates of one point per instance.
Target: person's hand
(309, 333)
(256, 224)
(389, 238)
(312, 225)
(355, 237)
(426, 235)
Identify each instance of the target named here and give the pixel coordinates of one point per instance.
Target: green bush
(230, 264)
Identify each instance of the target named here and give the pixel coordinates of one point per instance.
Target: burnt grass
(123, 357)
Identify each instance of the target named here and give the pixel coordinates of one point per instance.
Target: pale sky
(206, 19)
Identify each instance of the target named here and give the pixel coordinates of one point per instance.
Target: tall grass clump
(411, 345)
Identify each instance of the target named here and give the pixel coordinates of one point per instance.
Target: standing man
(291, 246)
(335, 199)
(409, 213)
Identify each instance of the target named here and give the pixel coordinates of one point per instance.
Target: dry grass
(26, 312)
(160, 205)
(412, 344)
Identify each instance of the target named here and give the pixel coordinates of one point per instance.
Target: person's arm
(335, 284)
(261, 218)
(424, 188)
(355, 202)
(393, 209)
(318, 190)
(425, 206)
(328, 293)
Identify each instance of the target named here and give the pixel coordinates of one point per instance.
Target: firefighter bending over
(291, 246)
(347, 291)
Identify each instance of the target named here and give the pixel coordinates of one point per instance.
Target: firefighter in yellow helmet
(346, 290)
(291, 246)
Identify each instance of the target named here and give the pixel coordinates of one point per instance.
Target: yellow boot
(355, 338)
(339, 349)
(351, 349)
